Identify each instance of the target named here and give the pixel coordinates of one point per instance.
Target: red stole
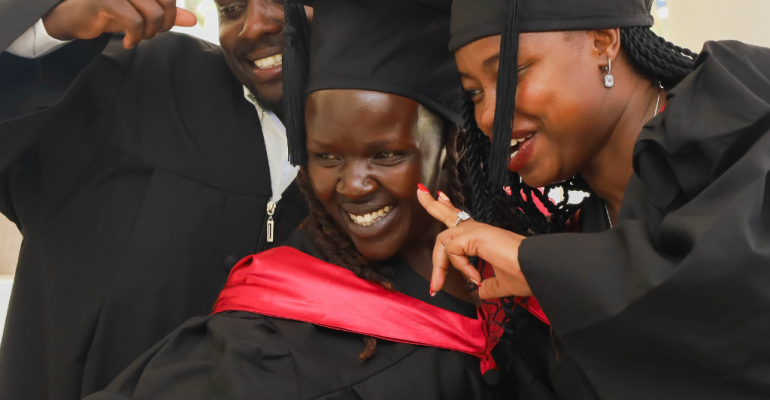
(287, 283)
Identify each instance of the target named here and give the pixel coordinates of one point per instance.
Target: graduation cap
(395, 46)
(475, 19)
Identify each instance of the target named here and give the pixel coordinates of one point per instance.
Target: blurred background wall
(687, 23)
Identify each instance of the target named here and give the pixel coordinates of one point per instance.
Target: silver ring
(462, 216)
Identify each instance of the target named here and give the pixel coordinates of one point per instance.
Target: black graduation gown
(674, 302)
(138, 179)
(242, 355)
(540, 365)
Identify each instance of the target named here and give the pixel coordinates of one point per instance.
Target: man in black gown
(138, 178)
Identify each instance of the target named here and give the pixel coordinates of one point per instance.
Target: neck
(419, 256)
(609, 172)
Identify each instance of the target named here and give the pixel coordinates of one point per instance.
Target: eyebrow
(491, 61)
(486, 65)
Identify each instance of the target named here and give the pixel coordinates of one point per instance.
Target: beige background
(691, 22)
(10, 240)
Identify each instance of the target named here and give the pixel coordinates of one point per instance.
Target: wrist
(53, 22)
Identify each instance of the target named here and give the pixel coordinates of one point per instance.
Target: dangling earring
(609, 80)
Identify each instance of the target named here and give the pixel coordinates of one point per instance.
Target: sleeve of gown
(227, 356)
(42, 105)
(674, 302)
(17, 16)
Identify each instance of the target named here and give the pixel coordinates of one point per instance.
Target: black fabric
(136, 177)
(241, 355)
(17, 16)
(476, 19)
(674, 302)
(397, 47)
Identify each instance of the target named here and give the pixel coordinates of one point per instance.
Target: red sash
(287, 283)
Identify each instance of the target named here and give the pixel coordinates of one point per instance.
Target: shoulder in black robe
(138, 179)
(674, 302)
(241, 355)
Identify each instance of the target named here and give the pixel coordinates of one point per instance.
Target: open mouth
(516, 144)
(269, 62)
(370, 218)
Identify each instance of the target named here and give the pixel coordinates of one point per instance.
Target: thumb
(490, 289)
(185, 18)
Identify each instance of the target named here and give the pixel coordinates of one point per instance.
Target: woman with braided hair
(663, 291)
(342, 310)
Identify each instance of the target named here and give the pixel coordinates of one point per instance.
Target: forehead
(359, 115)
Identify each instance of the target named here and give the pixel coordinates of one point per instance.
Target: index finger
(442, 212)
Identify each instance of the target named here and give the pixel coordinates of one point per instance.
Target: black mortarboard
(394, 46)
(475, 19)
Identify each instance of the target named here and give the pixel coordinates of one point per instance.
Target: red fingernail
(432, 293)
(422, 188)
(476, 282)
(443, 196)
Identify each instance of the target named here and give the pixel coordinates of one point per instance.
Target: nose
(485, 114)
(356, 182)
(264, 18)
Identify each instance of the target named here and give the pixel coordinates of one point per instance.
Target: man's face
(251, 35)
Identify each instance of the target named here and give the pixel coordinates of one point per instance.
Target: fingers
(126, 18)
(490, 289)
(143, 19)
(153, 14)
(169, 14)
(458, 250)
(440, 268)
(443, 212)
(455, 251)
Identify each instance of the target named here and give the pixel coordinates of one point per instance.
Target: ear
(606, 45)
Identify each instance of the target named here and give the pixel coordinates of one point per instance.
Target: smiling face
(563, 117)
(367, 153)
(251, 36)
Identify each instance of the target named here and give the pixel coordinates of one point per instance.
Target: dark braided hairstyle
(337, 246)
(655, 57)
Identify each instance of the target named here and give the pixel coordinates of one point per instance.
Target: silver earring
(609, 80)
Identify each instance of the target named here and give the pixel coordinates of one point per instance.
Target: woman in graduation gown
(664, 294)
(343, 310)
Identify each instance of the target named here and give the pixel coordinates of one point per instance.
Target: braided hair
(655, 57)
(336, 245)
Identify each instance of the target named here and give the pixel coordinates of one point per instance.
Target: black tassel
(506, 96)
(296, 68)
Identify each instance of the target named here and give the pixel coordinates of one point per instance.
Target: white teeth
(514, 142)
(530, 135)
(371, 218)
(269, 62)
(522, 139)
(514, 154)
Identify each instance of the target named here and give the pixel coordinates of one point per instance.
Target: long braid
(655, 57)
(340, 250)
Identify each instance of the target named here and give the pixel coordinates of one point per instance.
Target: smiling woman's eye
(326, 159)
(231, 10)
(473, 94)
(387, 154)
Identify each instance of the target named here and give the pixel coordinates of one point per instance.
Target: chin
(538, 178)
(374, 251)
(268, 95)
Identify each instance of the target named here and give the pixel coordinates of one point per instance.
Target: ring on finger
(462, 216)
